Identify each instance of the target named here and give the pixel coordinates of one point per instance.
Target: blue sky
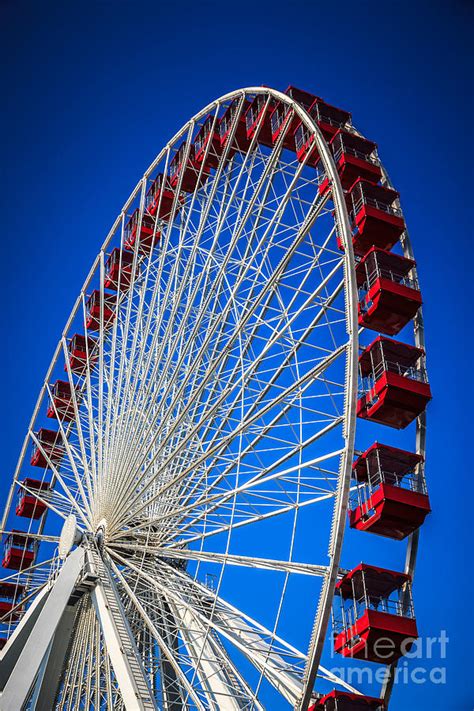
(91, 92)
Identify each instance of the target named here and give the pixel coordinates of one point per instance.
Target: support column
(21, 680)
(122, 650)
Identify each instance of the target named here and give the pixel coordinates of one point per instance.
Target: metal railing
(319, 114)
(378, 272)
(278, 118)
(301, 136)
(254, 111)
(412, 372)
(351, 610)
(377, 204)
(367, 157)
(410, 481)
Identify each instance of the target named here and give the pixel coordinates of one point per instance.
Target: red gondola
(374, 218)
(52, 445)
(395, 382)
(391, 497)
(141, 232)
(390, 297)
(10, 597)
(188, 170)
(329, 119)
(240, 141)
(282, 113)
(28, 504)
(118, 270)
(208, 139)
(376, 620)
(345, 701)
(19, 551)
(81, 351)
(257, 119)
(61, 404)
(160, 198)
(93, 310)
(355, 158)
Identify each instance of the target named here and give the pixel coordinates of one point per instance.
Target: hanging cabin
(50, 450)
(28, 505)
(240, 142)
(119, 270)
(93, 310)
(391, 498)
(10, 598)
(61, 404)
(374, 619)
(283, 118)
(329, 119)
(160, 198)
(19, 551)
(396, 390)
(257, 119)
(185, 168)
(355, 157)
(375, 219)
(82, 353)
(207, 144)
(141, 232)
(389, 296)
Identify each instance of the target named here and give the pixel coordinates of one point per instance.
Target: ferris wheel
(174, 528)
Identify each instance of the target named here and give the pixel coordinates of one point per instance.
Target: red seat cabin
(346, 701)
(188, 170)
(257, 119)
(391, 498)
(389, 293)
(3, 641)
(240, 141)
(119, 270)
(374, 218)
(395, 383)
(10, 596)
(141, 232)
(207, 144)
(93, 307)
(282, 113)
(50, 449)
(82, 351)
(355, 157)
(19, 551)
(160, 198)
(374, 618)
(329, 119)
(61, 405)
(28, 504)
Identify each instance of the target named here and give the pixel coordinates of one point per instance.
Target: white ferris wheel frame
(131, 681)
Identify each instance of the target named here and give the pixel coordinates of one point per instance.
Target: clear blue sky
(93, 89)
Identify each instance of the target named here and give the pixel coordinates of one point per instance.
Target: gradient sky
(91, 92)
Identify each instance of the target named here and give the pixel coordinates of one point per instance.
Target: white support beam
(23, 675)
(15, 643)
(212, 674)
(123, 653)
(47, 685)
